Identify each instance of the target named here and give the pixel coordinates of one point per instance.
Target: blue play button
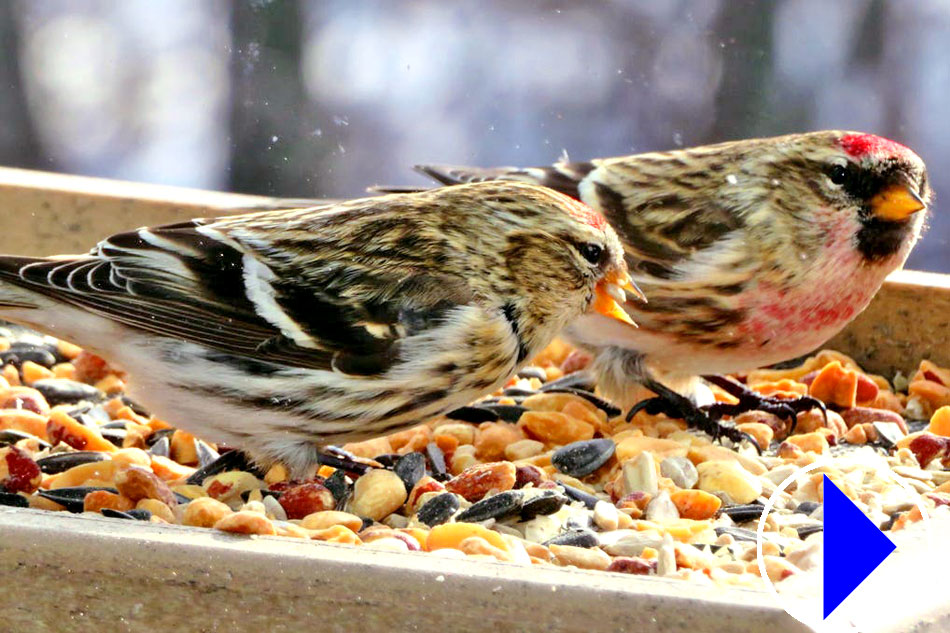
(853, 547)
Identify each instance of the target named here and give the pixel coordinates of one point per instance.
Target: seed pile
(544, 472)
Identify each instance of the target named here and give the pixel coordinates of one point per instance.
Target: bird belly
(776, 325)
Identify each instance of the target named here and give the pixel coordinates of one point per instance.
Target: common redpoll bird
(283, 331)
(750, 253)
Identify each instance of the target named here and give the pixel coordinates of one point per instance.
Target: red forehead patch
(859, 145)
(587, 215)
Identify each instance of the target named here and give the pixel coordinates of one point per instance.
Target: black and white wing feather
(196, 282)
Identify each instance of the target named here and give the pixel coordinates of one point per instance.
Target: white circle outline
(760, 529)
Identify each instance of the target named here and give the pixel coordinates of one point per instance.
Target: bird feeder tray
(69, 572)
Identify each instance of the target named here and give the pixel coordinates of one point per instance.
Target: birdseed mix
(544, 472)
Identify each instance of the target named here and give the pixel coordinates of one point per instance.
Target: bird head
(876, 187)
(556, 258)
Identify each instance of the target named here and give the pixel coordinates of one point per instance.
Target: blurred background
(317, 98)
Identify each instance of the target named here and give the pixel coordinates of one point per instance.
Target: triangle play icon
(853, 547)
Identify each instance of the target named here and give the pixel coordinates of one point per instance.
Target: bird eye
(838, 174)
(591, 252)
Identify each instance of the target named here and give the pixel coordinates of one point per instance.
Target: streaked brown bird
(750, 253)
(283, 331)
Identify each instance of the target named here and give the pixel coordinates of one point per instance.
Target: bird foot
(749, 400)
(674, 405)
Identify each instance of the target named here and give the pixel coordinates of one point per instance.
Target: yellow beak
(609, 296)
(896, 203)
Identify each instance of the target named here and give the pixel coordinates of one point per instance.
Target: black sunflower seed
(740, 534)
(337, 485)
(744, 512)
(13, 499)
(64, 391)
(411, 467)
(161, 448)
(12, 436)
(548, 502)
(808, 530)
(577, 538)
(387, 460)
(136, 515)
(116, 514)
(60, 462)
(20, 353)
(807, 507)
(72, 498)
(231, 460)
(205, 453)
(135, 406)
(579, 459)
(501, 506)
(438, 509)
(506, 412)
(340, 462)
(579, 495)
(116, 436)
(516, 392)
(473, 413)
(437, 462)
(530, 371)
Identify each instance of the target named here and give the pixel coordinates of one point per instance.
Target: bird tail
(14, 290)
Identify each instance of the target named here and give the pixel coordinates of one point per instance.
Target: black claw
(638, 407)
(706, 420)
(751, 401)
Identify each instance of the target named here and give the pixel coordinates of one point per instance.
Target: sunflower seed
(64, 391)
(60, 462)
(410, 468)
(472, 413)
(438, 509)
(579, 495)
(548, 502)
(582, 458)
(744, 512)
(500, 506)
(13, 499)
(12, 436)
(72, 498)
(577, 538)
(437, 462)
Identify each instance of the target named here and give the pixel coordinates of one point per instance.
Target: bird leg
(749, 400)
(674, 405)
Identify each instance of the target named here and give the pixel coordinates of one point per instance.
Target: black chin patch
(879, 239)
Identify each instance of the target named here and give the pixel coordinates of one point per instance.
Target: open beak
(896, 203)
(610, 295)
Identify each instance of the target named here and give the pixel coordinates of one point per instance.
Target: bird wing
(670, 234)
(196, 283)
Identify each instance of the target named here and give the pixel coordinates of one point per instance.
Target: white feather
(257, 278)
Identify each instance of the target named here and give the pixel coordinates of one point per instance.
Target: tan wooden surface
(74, 573)
(907, 321)
(51, 214)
